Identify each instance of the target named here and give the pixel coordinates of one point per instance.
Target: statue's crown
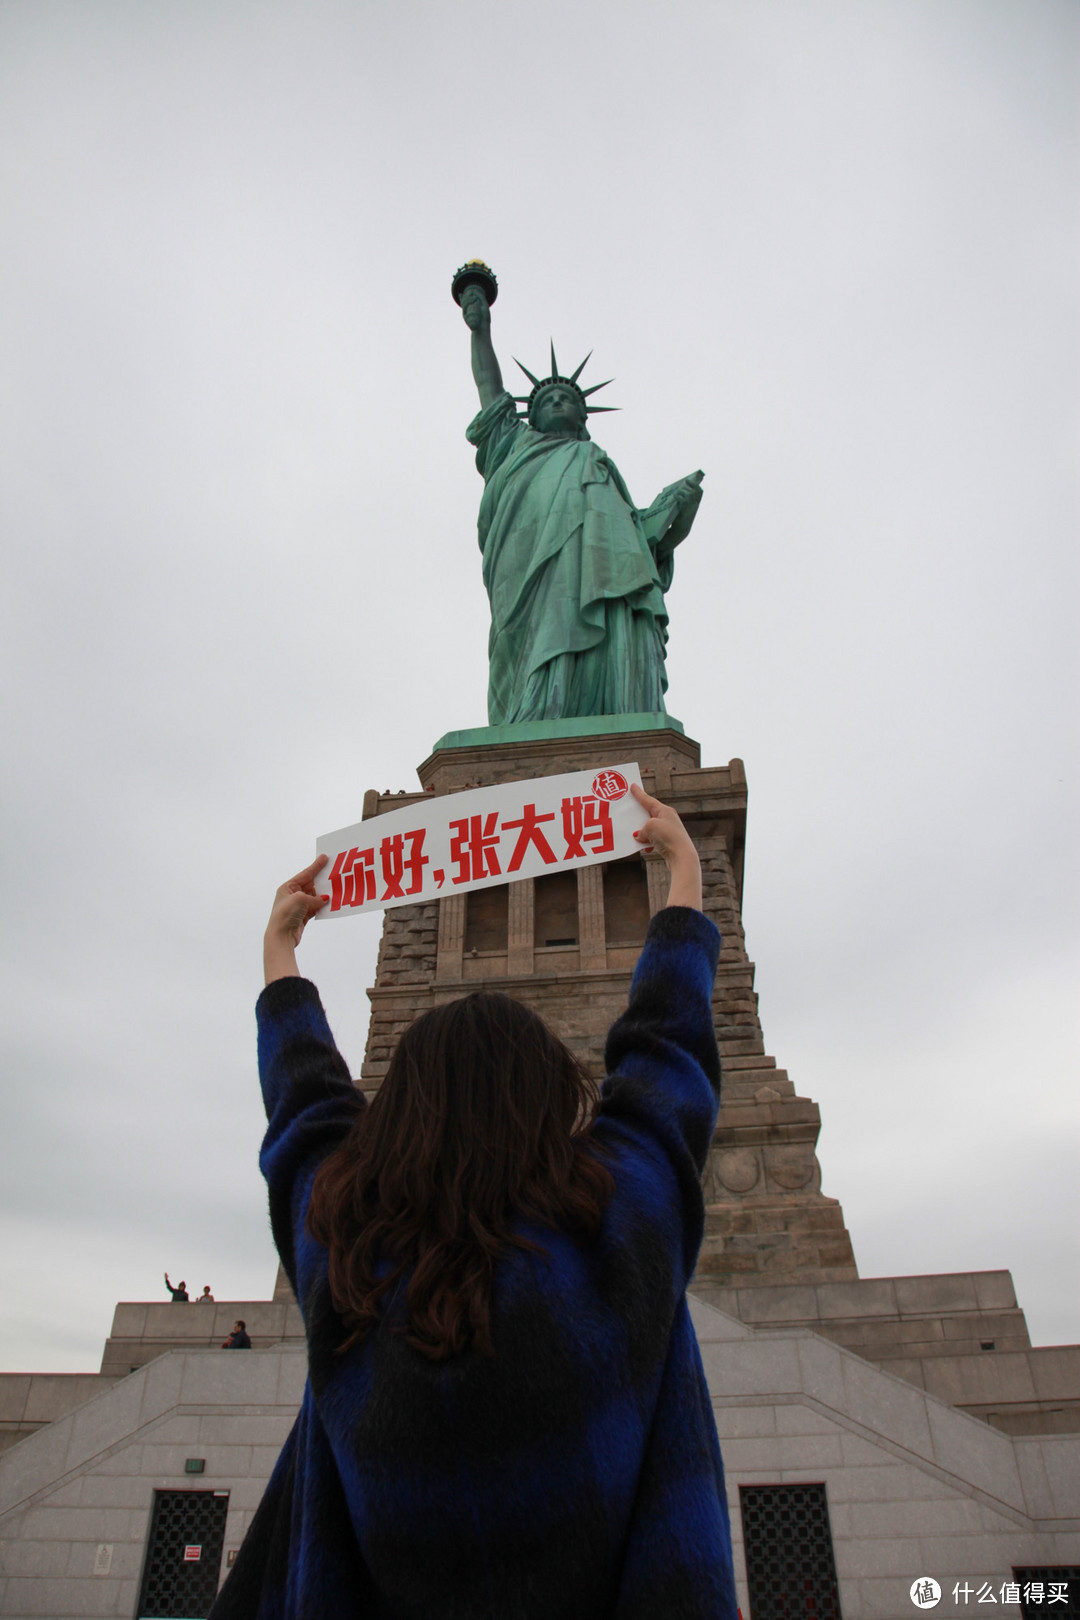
(540, 383)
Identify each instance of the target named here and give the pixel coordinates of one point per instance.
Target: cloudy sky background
(829, 251)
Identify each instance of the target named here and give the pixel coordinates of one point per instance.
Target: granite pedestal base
(768, 1219)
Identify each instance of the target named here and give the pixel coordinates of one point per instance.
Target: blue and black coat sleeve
(311, 1103)
(663, 1094)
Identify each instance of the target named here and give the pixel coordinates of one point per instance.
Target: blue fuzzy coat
(574, 1475)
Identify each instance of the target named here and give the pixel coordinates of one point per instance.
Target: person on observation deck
(506, 1414)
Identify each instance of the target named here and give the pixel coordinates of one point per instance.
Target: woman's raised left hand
(295, 903)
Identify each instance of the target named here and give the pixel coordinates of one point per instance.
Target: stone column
(659, 881)
(519, 944)
(448, 962)
(590, 906)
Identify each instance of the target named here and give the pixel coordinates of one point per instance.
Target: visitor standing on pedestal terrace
(575, 572)
(506, 1414)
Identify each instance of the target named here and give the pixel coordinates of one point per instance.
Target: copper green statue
(575, 572)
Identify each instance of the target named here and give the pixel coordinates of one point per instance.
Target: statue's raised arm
(575, 572)
(485, 366)
(475, 289)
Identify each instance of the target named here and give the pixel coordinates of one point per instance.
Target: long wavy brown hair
(483, 1120)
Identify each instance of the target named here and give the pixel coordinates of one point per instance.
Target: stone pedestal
(569, 952)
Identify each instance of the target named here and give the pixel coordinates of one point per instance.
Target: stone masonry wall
(768, 1220)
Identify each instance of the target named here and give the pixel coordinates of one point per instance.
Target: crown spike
(581, 368)
(534, 380)
(596, 387)
(554, 362)
(591, 410)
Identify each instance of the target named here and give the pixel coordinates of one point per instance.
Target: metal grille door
(183, 1558)
(789, 1556)
(1039, 1588)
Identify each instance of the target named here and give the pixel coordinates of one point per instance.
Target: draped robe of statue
(575, 573)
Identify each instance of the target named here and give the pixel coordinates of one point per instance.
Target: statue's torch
(475, 274)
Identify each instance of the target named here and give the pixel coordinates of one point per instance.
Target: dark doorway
(790, 1571)
(183, 1555)
(1035, 1590)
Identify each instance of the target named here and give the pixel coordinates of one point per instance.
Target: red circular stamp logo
(610, 785)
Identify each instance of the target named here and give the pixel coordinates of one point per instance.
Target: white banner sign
(473, 840)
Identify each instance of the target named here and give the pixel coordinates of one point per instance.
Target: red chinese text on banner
(352, 878)
(395, 863)
(530, 834)
(587, 821)
(481, 837)
(473, 847)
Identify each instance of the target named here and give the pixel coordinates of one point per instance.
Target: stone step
(769, 1212)
(747, 1120)
(757, 1090)
(143, 1330)
(963, 1295)
(29, 1401)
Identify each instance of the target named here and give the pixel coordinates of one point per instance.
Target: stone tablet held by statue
(574, 571)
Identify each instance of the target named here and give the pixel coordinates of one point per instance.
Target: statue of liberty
(575, 572)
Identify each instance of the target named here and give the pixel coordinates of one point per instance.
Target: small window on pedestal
(486, 919)
(626, 902)
(555, 914)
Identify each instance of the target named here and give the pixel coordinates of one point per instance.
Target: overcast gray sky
(828, 249)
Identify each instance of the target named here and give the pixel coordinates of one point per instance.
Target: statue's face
(558, 410)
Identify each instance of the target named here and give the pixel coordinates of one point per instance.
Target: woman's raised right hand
(665, 833)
